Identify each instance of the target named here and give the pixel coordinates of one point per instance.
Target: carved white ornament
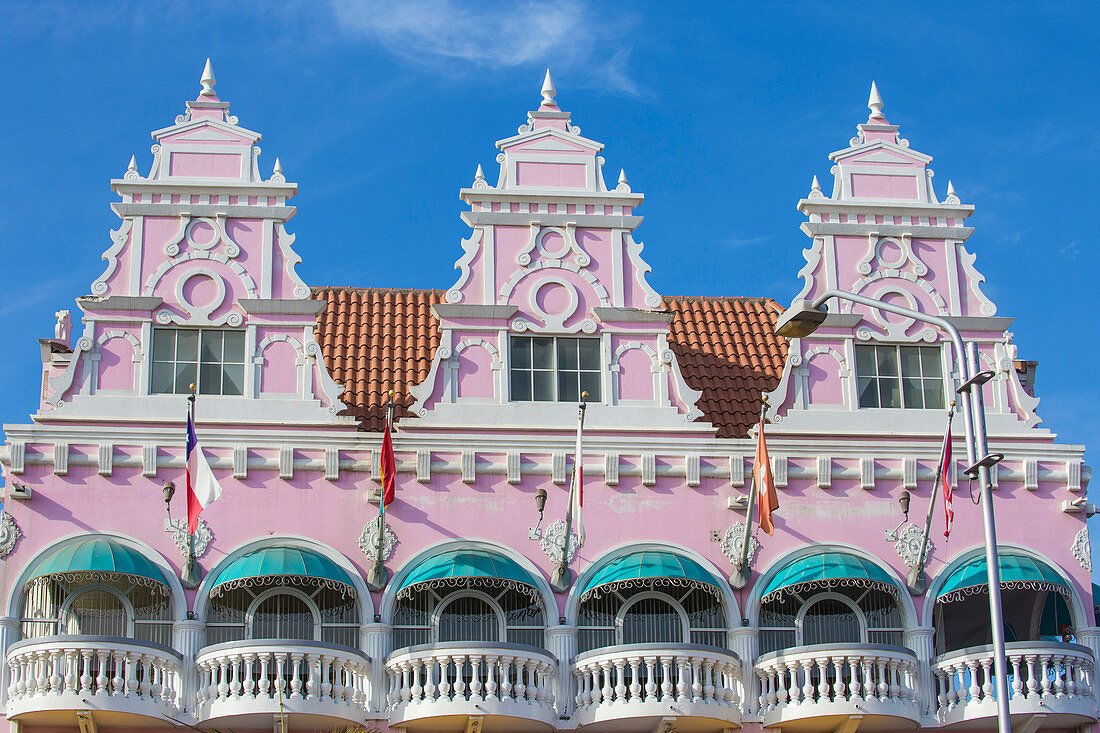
(908, 544)
(368, 541)
(9, 534)
(1082, 549)
(553, 540)
(734, 539)
(203, 537)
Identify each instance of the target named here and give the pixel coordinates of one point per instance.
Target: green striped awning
(827, 570)
(458, 568)
(1017, 571)
(646, 568)
(282, 566)
(97, 560)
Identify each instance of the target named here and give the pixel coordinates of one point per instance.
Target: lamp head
(800, 320)
(904, 501)
(169, 490)
(540, 500)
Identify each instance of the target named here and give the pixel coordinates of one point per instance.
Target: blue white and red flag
(202, 488)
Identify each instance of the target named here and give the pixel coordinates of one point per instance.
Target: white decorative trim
(302, 375)
(734, 539)
(203, 535)
(975, 280)
(470, 247)
(330, 389)
(611, 469)
(908, 543)
(874, 252)
(649, 469)
(553, 541)
(687, 396)
(515, 278)
(291, 260)
(569, 245)
(641, 268)
(119, 238)
(9, 534)
(368, 541)
(1081, 547)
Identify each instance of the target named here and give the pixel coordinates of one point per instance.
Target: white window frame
(127, 607)
(856, 374)
(245, 363)
(600, 372)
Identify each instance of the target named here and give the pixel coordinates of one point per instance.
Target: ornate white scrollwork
(203, 536)
(1082, 549)
(119, 237)
(907, 544)
(9, 534)
(368, 540)
(734, 540)
(553, 540)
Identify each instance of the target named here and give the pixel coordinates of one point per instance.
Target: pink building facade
(278, 624)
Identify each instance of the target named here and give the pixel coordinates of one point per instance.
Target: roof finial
(952, 197)
(208, 81)
(278, 167)
(548, 91)
(133, 164)
(815, 189)
(479, 174)
(875, 104)
(624, 185)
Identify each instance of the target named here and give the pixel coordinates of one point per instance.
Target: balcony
(440, 686)
(316, 685)
(1048, 680)
(126, 682)
(821, 687)
(635, 686)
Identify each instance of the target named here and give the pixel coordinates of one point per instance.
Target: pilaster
(920, 641)
(188, 637)
(744, 641)
(561, 641)
(376, 641)
(1090, 636)
(9, 634)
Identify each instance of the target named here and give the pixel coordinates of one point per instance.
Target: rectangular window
(211, 359)
(899, 376)
(555, 369)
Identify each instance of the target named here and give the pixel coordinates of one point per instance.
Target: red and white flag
(202, 488)
(576, 493)
(766, 500)
(943, 473)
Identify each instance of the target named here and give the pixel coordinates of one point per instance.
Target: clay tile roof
(374, 340)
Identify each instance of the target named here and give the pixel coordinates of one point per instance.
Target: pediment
(206, 131)
(880, 152)
(546, 137)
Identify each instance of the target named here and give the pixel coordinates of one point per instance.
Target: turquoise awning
(830, 570)
(279, 565)
(647, 567)
(465, 567)
(1017, 571)
(97, 560)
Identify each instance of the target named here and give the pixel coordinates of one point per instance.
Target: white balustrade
(1055, 676)
(470, 678)
(261, 676)
(58, 672)
(829, 678)
(622, 681)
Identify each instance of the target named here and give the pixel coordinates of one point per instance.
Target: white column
(744, 641)
(1089, 636)
(376, 641)
(561, 641)
(9, 634)
(920, 641)
(188, 637)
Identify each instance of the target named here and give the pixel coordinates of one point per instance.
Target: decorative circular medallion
(1082, 549)
(553, 540)
(368, 541)
(908, 544)
(202, 233)
(203, 537)
(734, 540)
(9, 534)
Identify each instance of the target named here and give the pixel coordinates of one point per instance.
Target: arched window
(428, 615)
(98, 611)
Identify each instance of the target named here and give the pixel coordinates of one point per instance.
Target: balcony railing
(873, 680)
(119, 675)
(471, 678)
(1044, 678)
(278, 675)
(652, 680)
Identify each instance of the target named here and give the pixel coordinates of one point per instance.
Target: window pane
(542, 353)
(211, 346)
(868, 392)
(97, 612)
(162, 377)
(830, 622)
(468, 619)
(652, 621)
(185, 377)
(521, 353)
(889, 393)
(865, 361)
(913, 393)
(567, 354)
(590, 383)
(567, 387)
(233, 379)
(589, 350)
(542, 386)
(164, 344)
(187, 345)
(210, 379)
(930, 361)
(233, 347)
(521, 386)
(933, 394)
(910, 361)
(887, 359)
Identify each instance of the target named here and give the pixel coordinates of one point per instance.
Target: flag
(202, 488)
(767, 500)
(389, 470)
(943, 473)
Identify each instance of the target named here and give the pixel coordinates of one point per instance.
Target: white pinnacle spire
(208, 81)
(951, 189)
(278, 167)
(479, 174)
(815, 186)
(875, 104)
(132, 167)
(622, 176)
(548, 91)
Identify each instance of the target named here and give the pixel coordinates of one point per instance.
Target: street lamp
(804, 317)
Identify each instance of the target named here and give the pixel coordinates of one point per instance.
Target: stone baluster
(666, 679)
(417, 689)
(650, 677)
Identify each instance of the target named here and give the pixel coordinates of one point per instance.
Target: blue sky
(719, 112)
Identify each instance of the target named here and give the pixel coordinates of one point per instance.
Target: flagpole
(917, 580)
(739, 578)
(376, 579)
(562, 576)
(190, 576)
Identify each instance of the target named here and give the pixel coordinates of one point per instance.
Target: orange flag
(766, 498)
(389, 469)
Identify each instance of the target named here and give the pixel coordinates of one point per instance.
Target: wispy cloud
(455, 37)
(735, 242)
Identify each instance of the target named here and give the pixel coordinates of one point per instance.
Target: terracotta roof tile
(374, 340)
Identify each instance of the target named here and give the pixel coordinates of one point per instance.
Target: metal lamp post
(804, 317)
